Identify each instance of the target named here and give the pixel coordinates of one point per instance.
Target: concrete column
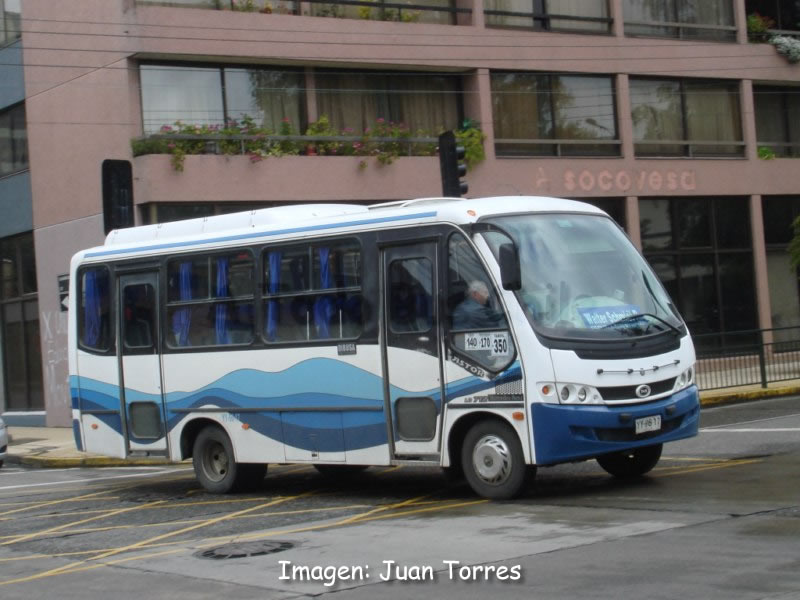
(632, 225)
(478, 106)
(478, 18)
(616, 12)
(760, 266)
(311, 96)
(624, 121)
(747, 106)
(740, 20)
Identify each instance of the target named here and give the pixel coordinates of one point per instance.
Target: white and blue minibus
(485, 336)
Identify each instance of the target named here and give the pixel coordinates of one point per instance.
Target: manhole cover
(245, 549)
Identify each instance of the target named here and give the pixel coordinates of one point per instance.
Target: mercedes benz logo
(643, 391)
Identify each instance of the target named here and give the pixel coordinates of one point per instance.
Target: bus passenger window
(139, 316)
(410, 295)
(312, 292)
(210, 300)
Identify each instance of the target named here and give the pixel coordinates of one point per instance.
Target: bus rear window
(94, 310)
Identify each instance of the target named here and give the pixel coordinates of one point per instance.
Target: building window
(554, 115)
(13, 140)
(779, 213)
(781, 15)
(615, 207)
(10, 29)
(684, 19)
(549, 15)
(778, 119)
(212, 96)
(701, 250)
(19, 319)
(429, 102)
(685, 117)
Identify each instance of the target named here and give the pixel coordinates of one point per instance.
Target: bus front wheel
(631, 463)
(492, 460)
(215, 467)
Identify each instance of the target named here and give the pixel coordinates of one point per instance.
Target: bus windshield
(581, 277)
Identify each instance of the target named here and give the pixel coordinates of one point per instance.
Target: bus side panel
(299, 404)
(467, 393)
(96, 396)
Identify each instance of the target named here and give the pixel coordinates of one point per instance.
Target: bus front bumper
(564, 433)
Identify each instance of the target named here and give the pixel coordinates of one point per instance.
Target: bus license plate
(646, 424)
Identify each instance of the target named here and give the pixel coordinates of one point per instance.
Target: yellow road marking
(733, 463)
(52, 502)
(82, 565)
(188, 521)
(30, 536)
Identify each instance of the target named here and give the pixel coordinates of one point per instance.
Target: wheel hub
(492, 459)
(215, 462)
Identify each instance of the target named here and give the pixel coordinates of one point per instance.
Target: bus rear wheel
(215, 467)
(631, 463)
(492, 460)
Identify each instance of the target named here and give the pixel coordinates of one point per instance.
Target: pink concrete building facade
(679, 122)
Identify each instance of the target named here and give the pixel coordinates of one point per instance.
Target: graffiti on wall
(54, 360)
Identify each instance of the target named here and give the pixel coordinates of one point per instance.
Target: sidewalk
(54, 447)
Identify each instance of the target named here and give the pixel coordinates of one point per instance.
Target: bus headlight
(685, 379)
(576, 393)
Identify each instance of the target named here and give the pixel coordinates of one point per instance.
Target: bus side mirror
(510, 272)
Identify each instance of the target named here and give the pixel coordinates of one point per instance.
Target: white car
(3, 441)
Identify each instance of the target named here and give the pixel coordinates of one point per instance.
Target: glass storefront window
(10, 19)
(13, 140)
(784, 15)
(778, 119)
(784, 284)
(551, 15)
(19, 325)
(686, 117)
(554, 115)
(268, 97)
(708, 269)
(356, 100)
(210, 96)
(686, 19)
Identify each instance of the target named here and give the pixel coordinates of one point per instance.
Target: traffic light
(117, 184)
(452, 165)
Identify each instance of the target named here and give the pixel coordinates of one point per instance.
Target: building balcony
(443, 12)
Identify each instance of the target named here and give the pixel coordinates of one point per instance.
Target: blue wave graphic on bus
(322, 383)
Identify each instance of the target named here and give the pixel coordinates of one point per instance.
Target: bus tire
(631, 463)
(213, 461)
(492, 460)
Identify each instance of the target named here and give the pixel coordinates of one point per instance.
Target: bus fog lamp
(564, 394)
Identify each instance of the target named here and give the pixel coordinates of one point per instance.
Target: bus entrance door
(140, 362)
(412, 349)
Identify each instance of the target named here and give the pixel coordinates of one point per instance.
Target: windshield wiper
(638, 316)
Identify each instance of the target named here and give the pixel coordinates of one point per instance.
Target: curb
(49, 462)
(747, 396)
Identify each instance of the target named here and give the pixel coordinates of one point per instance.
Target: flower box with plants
(385, 141)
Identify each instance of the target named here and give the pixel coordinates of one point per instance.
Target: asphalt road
(718, 518)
